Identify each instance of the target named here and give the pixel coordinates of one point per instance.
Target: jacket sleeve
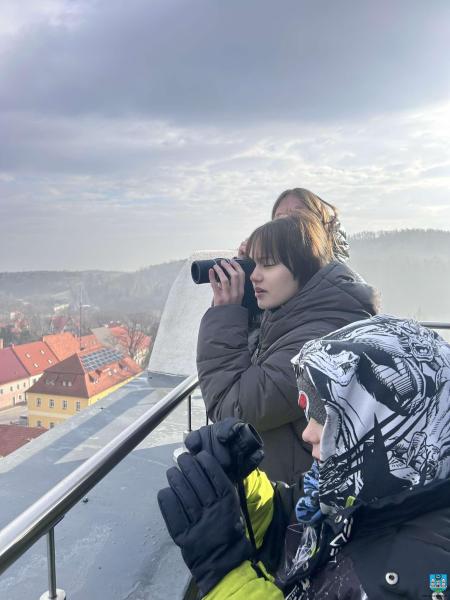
(259, 493)
(264, 395)
(243, 583)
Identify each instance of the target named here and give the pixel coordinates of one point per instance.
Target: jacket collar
(334, 288)
(399, 508)
(365, 518)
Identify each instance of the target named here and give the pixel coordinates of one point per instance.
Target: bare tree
(140, 333)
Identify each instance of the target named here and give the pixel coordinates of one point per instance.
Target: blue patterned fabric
(307, 509)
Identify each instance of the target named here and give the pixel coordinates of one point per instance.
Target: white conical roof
(175, 346)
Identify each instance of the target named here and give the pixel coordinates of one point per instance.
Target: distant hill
(411, 268)
(146, 289)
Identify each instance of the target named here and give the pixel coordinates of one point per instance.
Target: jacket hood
(385, 383)
(335, 291)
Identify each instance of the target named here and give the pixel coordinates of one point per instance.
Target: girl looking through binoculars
(305, 293)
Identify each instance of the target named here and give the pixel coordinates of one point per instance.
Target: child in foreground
(371, 520)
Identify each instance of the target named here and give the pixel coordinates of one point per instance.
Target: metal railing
(42, 516)
(433, 325)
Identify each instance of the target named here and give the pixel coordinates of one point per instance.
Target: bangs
(271, 241)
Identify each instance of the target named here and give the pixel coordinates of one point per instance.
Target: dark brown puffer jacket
(261, 389)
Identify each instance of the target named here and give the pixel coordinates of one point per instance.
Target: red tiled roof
(71, 378)
(89, 342)
(35, 357)
(11, 369)
(63, 344)
(15, 436)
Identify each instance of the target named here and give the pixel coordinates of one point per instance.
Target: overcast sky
(135, 132)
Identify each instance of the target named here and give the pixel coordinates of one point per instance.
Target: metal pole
(189, 412)
(435, 325)
(53, 593)
(51, 563)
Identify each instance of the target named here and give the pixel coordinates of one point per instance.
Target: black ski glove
(236, 445)
(202, 513)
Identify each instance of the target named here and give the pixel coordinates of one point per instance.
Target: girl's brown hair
(326, 212)
(300, 242)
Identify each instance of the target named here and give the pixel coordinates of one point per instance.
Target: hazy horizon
(138, 133)
(183, 258)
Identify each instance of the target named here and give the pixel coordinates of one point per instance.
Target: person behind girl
(290, 201)
(304, 294)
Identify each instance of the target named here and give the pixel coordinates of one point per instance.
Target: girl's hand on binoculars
(230, 287)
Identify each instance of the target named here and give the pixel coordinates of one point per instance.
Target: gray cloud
(137, 132)
(209, 188)
(228, 61)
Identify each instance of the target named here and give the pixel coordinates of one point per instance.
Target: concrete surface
(114, 546)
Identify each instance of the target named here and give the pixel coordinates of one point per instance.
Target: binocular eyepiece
(200, 274)
(247, 441)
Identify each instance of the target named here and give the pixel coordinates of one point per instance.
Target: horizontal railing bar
(26, 529)
(433, 325)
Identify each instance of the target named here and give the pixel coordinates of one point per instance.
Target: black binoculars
(200, 268)
(247, 441)
(200, 274)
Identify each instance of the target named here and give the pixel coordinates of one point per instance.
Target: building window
(27, 355)
(78, 405)
(38, 423)
(69, 383)
(64, 404)
(42, 352)
(51, 425)
(36, 365)
(11, 389)
(51, 403)
(18, 386)
(1, 390)
(24, 385)
(38, 402)
(49, 361)
(20, 396)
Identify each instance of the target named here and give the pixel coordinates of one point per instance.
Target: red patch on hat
(303, 400)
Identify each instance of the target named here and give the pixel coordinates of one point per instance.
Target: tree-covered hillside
(411, 268)
(146, 289)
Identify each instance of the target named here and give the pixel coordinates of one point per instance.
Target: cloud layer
(140, 132)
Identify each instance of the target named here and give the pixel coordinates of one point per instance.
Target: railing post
(53, 593)
(189, 412)
(178, 451)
